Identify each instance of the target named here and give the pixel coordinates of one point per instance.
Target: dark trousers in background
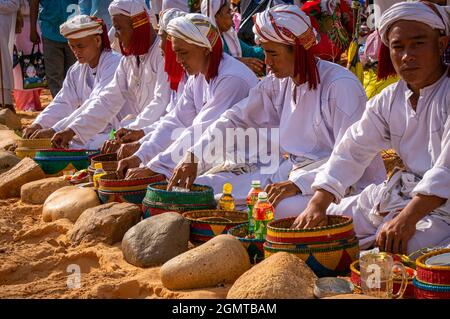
(58, 58)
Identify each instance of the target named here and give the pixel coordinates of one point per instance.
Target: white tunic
(131, 90)
(79, 87)
(200, 105)
(178, 4)
(8, 10)
(310, 125)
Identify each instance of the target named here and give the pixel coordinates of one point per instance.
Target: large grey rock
(107, 223)
(69, 202)
(37, 192)
(24, 172)
(11, 120)
(221, 260)
(156, 240)
(7, 161)
(281, 276)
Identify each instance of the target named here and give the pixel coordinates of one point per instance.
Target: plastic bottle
(226, 202)
(99, 172)
(263, 213)
(252, 198)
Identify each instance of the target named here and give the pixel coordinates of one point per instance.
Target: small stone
(24, 172)
(69, 202)
(11, 120)
(106, 223)
(281, 276)
(221, 260)
(37, 192)
(156, 240)
(7, 138)
(7, 161)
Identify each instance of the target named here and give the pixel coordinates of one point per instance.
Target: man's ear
(443, 43)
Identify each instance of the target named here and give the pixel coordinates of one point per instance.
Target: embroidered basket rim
(430, 287)
(314, 250)
(151, 187)
(271, 226)
(106, 181)
(34, 144)
(420, 262)
(188, 216)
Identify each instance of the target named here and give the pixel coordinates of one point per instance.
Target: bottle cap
(98, 166)
(227, 188)
(256, 183)
(262, 195)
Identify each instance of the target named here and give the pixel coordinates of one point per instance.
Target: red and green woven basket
(55, 161)
(253, 245)
(206, 224)
(158, 200)
(409, 293)
(432, 282)
(327, 250)
(112, 189)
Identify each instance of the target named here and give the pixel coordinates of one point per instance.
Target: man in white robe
(131, 138)
(310, 107)
(8, 12)
(410, 210)
(93, 71)
(138, 77)
(216, 82)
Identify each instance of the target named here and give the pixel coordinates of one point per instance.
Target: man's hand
(129, 136)
(110, 146)
(126, 164)
(126, 150)
(256, 65)
(279, 191)
(30, 130)
(62, 139)
(395, 235)
(185, 173)
(43, 133)
(137, 173)
(315, 214)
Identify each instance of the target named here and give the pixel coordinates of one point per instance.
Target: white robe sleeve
(9, 6)
(109, 68)
(228, 91)
(180, 117)
(102, 108)
(436, 181)
(342, 105)
(65, 102)
(157, 107)
(255, 111)
(359, 146)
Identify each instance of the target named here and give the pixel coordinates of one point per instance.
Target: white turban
(284, 24)
(80, 26)
(230, 37)
(166, 16)
(194, 28)
(414, 11)
(131, 8)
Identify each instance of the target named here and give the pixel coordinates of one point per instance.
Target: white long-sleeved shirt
(199, 106)
(310, 122)
(131, 90)
(79, 86)
(390, 122)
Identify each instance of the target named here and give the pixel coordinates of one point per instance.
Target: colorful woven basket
(55, 161)
(254, 246)
(112, 189)
(424, 290)
(35, 144)
(109, 163)
(205, 224)
(158, 200)
(430, 274)
(409, 293)
(324, 261)
(22, 152)
(339, 228)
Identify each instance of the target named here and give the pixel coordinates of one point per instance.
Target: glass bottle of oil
(226, 202)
